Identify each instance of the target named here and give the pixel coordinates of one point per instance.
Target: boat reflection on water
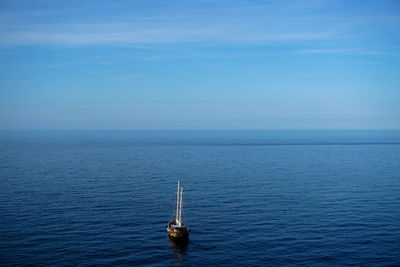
(179, 250)
(178, 246)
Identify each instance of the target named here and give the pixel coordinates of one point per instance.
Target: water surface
(250, 197)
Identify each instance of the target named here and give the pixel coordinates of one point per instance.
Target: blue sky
(201, 64)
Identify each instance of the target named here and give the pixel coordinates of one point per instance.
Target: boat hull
(177, 233)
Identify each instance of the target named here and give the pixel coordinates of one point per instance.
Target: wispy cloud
(201, 21)
(153, 22)
(51, 66)
(120, 33)
(341, 51)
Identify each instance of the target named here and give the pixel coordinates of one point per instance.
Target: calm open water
(251, 198)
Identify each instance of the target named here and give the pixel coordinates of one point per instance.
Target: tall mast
(177, 205)
(180, 208)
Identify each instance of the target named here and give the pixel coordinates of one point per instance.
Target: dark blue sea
(251, 198)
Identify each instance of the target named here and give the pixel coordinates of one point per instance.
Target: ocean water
(251, 198)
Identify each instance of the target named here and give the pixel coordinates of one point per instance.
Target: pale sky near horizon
(200, 64)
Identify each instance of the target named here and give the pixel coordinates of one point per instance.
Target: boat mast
(177, 205)
(180, 208)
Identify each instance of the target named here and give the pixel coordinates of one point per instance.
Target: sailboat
(176, 229)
